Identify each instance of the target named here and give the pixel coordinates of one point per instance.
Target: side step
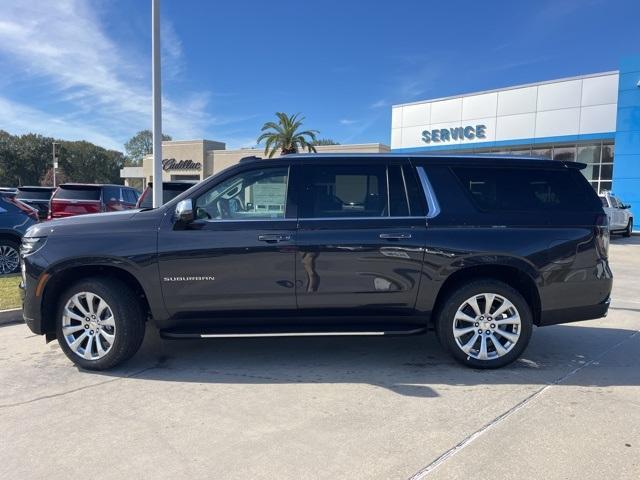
(254, 333)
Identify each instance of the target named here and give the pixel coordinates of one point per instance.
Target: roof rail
(251, 158)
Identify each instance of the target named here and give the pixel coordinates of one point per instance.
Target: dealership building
(594, 119)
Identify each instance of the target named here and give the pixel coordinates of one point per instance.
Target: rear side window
(111, 194)
(527, 189)
(78, 193)
(343, 191)
(398, 200)
(129, 195)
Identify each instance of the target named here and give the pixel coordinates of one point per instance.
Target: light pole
(56, 155)
(157, 103)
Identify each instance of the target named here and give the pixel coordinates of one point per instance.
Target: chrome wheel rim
(9, 259)
(486, 326)
(88, 325)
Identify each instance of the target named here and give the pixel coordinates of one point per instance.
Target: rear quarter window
(527, 189)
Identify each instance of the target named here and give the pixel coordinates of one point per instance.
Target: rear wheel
(9, 256)
(627, 232)
(485, 324)
(100, 323)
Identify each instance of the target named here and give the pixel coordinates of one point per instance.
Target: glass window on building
(599, 160)
(566, 154)
(542, 152)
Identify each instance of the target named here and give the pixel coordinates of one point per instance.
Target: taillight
(142, 197)
(64, 208)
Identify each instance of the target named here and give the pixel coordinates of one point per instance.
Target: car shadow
(414, 366)
(620, 240)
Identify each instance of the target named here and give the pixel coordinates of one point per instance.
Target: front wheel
(100, 323)
(485, 324)
(629, 230)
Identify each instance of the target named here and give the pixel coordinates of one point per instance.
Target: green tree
(285, 135)
(85, 162)
(24, 158)
(324, 141)
(139, 145)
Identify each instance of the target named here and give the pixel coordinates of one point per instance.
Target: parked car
(79, 198)
(36, 197)
(15, 219)
(480, 249)
(620, 215)
(10, 190)
(170, 190)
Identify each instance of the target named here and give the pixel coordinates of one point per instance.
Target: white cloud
(18, 118)
(348, 121)
(380, 104)
(61, 48)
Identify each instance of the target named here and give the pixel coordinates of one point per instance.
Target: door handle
(273, 237)
(394, 236)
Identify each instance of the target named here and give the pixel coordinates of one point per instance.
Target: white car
(620, 215)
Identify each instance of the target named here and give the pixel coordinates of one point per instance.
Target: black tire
(6, 243)
(128, 317)
(446, 316)
(629, 229)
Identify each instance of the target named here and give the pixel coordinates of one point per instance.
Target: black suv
(478, 248)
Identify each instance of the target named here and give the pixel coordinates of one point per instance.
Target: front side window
(254, 195)
(345, 191)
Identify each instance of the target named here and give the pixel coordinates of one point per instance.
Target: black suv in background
(170, 190)
(36, 197)
(72, 199)
(479, 248)
(15, 218)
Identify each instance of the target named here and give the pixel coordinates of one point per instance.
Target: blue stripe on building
(626, 166)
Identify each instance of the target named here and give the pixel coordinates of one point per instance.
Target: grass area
(9, 292)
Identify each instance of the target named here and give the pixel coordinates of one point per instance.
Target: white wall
(574, 106)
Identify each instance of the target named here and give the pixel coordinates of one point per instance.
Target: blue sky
(80, 69)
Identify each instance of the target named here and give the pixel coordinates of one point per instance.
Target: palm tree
(285, 136)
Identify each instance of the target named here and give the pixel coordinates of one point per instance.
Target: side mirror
(184, 211)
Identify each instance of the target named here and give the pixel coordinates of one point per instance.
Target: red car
(72, 199)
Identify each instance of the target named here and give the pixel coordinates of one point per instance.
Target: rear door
(360, 239)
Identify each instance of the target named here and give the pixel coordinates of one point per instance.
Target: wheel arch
(511, 275)
(62, 279)
(10, 235)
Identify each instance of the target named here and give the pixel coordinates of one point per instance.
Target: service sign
(444, 135)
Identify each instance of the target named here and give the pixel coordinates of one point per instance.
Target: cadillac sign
(173, 164)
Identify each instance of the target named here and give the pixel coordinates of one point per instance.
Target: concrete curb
(13, 315)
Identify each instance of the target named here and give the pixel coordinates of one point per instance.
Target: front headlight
(32, 245)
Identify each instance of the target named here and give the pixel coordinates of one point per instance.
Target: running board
(175, 335)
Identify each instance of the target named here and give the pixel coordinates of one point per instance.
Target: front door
(360, 241)
(237, 257)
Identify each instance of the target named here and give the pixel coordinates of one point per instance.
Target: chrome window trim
(430, 196)
(362, 218)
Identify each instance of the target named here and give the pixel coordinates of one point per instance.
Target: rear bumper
(575, 314)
